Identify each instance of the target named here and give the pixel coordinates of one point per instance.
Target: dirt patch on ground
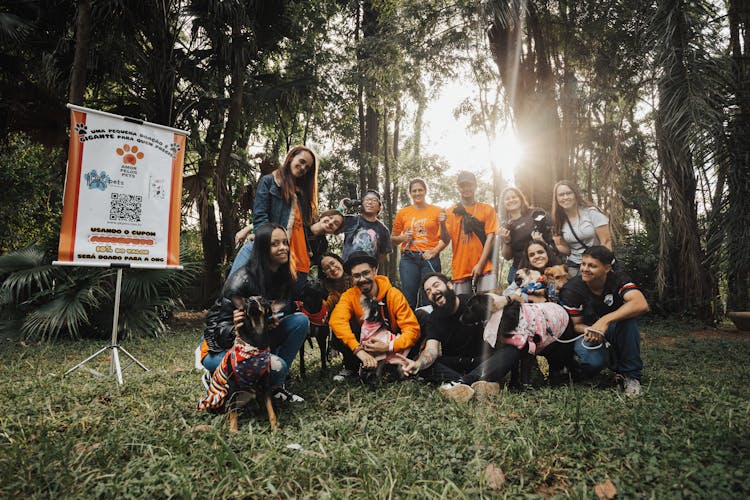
(189, 318)
(713, 333)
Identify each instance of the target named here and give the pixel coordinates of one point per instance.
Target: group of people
(423, 333)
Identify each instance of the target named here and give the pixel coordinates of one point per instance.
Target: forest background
(645, 104)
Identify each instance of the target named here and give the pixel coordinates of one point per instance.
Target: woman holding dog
(417, 230)
(288, 197)
(269, 275)
(521, 223)
(539, 257)
(578, 224)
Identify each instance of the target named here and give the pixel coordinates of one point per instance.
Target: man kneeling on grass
(604, 305)
(348, 316)
(455, 352)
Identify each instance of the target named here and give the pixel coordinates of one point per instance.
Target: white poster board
(123, 192)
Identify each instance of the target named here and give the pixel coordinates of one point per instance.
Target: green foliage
(39, 301)
(81, 436)
(30, 174)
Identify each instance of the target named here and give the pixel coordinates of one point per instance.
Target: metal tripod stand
(114, 367)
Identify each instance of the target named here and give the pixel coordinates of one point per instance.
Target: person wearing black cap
(470, 227)
(347, 317)
(364, 232)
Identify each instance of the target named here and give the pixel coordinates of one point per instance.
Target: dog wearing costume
(243, 374)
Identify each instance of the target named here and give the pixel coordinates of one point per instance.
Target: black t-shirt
(363, 235)
(579, 301)
(456, 338)
(520, 233)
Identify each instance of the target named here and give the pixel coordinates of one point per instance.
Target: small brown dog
(557, 275)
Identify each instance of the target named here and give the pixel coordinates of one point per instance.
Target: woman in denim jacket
(289, 197)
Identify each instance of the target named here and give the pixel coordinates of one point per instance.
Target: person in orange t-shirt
(470, 226)
(417, 230)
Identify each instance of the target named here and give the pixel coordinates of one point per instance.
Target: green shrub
(39, 301)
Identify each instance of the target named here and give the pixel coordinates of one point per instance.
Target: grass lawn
(83, 436)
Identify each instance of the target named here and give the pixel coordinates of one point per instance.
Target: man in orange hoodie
(347, 317)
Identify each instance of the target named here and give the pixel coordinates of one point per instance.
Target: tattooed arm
(431, 352)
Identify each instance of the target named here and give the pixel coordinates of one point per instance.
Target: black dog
(311, 302)
(479, 308)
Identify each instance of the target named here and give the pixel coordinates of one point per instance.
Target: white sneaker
(282, 394)
(631, 387)
(342, 375)
(458, 392)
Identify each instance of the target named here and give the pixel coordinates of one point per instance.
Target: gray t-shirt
(363, 235)
(589, 219)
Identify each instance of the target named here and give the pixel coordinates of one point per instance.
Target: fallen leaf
(495, 477)
(605, 490)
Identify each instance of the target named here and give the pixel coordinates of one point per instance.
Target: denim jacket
(269, 204)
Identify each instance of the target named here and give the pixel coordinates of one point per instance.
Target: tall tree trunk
(689, 284)
(529, 82)
(392, 261)
(80, 58)
(372, 115)
(738, 216)
(231, 133)
(361, 163)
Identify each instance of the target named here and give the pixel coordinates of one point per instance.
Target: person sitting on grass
(605, 305)
(454, 351)
(267, 274)
(347, 317)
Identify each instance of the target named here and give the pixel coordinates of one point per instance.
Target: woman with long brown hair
(289, 197)
(520, 223)
(577, 224)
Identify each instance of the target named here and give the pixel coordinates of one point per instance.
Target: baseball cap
(465, 176)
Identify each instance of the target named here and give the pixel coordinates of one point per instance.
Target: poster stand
(114, 367)
(121, 205)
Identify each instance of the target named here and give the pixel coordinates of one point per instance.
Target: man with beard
(456, 352)
(347, 317)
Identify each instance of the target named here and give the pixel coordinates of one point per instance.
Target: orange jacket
(402, 318)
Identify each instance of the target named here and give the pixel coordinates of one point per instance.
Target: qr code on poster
(125, 207)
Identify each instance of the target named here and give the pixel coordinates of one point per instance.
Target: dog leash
(604, 342)
(421, 253)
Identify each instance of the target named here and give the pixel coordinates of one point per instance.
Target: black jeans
(496, 366)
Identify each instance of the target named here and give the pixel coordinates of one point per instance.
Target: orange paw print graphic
(130, 154)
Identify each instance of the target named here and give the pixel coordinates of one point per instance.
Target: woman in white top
(577, 224)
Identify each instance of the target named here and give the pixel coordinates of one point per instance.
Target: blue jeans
(412, 269)
(625, 342)
(213, 360)
(286, 341)
(242, 258)
(512, 274)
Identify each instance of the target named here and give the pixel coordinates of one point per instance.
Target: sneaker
(282, 394)
(206, 379)
(631, 386)
(458, 392)
(486, 389)
(342, 375)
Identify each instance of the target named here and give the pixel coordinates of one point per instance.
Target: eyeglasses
(565, 194)
(363, 274)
